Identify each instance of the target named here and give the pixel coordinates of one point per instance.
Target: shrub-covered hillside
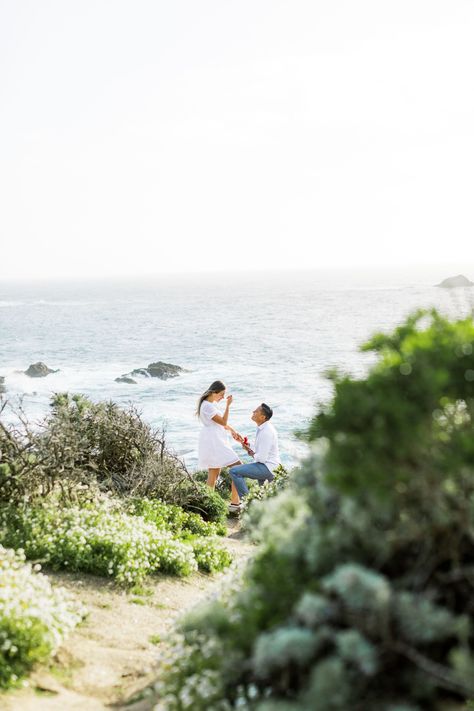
(91, 489)
(83, 446)
(361, 595)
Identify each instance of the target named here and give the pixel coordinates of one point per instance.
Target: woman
(215, 451)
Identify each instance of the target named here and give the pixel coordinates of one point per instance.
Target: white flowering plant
(102, 538)
(34, 617)
(269, 489)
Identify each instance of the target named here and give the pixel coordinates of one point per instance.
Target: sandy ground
(114, 653)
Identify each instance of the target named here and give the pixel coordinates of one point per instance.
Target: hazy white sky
(181, 135)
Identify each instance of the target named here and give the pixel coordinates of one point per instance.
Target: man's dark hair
(267, 411)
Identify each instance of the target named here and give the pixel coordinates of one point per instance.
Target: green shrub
(268, 490)
(34, 617)
(210, 559)
(86, 444)
(360, 595)
(173, 518)
(201, 499)
(223, 483)
(102, 538)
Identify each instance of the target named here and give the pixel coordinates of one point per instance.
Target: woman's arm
(235, 434)
(224, 419)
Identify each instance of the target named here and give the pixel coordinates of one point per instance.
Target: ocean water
(270, 337)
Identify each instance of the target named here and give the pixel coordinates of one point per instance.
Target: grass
(141, 590)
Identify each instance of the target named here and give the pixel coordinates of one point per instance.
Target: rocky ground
(114, 654)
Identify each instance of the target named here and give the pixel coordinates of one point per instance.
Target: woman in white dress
(215, 449)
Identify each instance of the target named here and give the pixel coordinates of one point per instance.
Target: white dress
(214, 441)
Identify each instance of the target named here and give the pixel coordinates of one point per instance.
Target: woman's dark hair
(267, 411)
(216, 387)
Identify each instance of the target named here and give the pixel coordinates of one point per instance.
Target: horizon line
(241, 272)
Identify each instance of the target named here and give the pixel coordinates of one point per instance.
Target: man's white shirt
(266, 446)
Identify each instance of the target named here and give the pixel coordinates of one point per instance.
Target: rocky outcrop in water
(140, 371)
(163, 371)
(455, 281)
(39, 370)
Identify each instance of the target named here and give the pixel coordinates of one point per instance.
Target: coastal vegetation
(103, 539)
(359, 591)
(91, 489)
(360, 594)
(83, 447)
(34, 617)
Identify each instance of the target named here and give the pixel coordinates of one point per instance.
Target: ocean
(269, 336)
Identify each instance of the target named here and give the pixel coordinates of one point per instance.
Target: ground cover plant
(34, 617)
(102, 538)
(361, 593)
(268, 490)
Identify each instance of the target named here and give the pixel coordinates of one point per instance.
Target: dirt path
(114, 652)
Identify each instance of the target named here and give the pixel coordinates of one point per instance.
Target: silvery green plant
(360, 595)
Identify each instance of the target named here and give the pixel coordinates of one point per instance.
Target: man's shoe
(235, 508)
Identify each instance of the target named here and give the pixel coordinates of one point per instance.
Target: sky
(149, 136)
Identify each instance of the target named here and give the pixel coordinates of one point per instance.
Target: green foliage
(361, 593)
(410, 415)
(201, 499)
(104, 539)
(34, 617)
(256, 501)
(173, 518)
(210, 559)
(83, 445)
(223, 483)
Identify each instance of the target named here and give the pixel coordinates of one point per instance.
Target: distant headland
(455, 281)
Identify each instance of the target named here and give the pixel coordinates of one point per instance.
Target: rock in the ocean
(161, 370)
(164, 370)
(2, 384)
(453, 282)
(126, 379)
(39, 370)
(138, 371)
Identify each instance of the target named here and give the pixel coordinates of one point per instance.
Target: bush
(223, 483)
(84, 445)
(103, 539)
(34, 617)
(201, 499)
(361, 593)
(269, 489)
(124, 453)
(210, 559)
(173, 518)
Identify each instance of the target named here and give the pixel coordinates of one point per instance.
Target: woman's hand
(238, 437)
(229, 400)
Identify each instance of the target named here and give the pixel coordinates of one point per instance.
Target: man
(265, 454)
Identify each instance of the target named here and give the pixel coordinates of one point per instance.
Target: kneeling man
(265, 454)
